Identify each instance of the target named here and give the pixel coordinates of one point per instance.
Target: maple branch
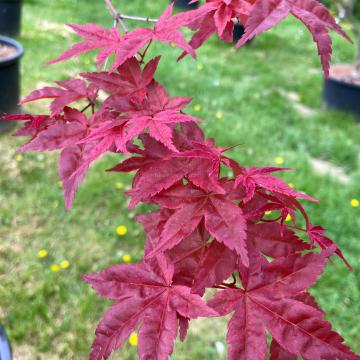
(86, 107)
(234, 279)
(219, 287)
(154, 20)
(119, 17)
(116, 15)
(228, 286)
(144, 53)
(137, 18)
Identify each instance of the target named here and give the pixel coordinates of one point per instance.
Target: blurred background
(266, 96)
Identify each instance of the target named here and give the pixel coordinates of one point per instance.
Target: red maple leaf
(129, 80)
(64, 132)
(159, 168)
(215, 16)
(33, 123)
(197, 263)
(72, 90)
(145, 295)
(275, 240)
(268, 302)
(253, 178)
(217, 264)
(158, 114)
(287, 205)
(96, 37)
(222, 218)
(74, 158)
(317, 235)
(279, 353)
(186, 256)
(124, 47)
(265, 14)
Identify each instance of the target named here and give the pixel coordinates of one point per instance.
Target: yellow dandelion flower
(288, 218)
(279, 160)
(355, 203)
(119, 185)
(133, 339)
(59, 184)
(19, 157)
(87, 62)
(42, 253)
(291, 185)
(121, 230)
(126, 258)
(200, 66)
(55, 268)
(268, 212)
(219, 115)
(197, 107)
(64, 264)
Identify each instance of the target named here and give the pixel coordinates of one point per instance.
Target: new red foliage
(208, 228)
(144, 294)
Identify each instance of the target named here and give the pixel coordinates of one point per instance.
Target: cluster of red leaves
(208, 228)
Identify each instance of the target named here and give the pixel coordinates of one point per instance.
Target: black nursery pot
(184, 4)
(238, 33)
(10, 17)
(9, 81)
(341, 95)
(5, 348)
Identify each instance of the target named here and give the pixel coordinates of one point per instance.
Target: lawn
(266, 97)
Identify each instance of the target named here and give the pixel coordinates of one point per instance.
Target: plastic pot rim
(342, 82)
(19, 51)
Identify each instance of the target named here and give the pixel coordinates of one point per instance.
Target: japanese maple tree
(211, 234)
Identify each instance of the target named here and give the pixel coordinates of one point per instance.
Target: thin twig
(137, 18)
(154, 20)
(116, 15)
(144, 53)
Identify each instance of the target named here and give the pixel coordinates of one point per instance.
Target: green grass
(56, 313)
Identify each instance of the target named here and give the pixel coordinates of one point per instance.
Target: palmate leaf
(222, 218)
(217, 264)
(124, 47)
(253, 178)
(129, 81)
(158, 168)
(158, 114)
(145, 295)
(33, 123)
(214, 16)
(70, 91)
(269, 302)
(317, 235)
(274, 240)
(265, 14)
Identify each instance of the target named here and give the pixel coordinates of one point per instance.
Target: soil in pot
(342, 89)
(6, 51)
(346, 73)
(10, 53)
